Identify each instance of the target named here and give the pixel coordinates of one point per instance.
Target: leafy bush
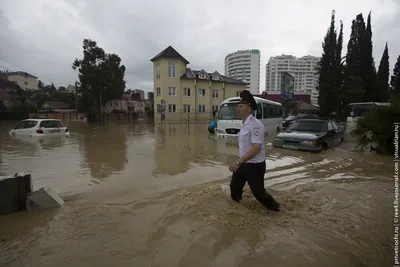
(377, 126)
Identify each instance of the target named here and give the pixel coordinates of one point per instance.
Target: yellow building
(188, 95)
(26, 81)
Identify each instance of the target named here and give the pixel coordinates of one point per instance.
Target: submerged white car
(40, 127)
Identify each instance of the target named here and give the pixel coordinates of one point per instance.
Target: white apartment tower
(302, 69)
(244, 65)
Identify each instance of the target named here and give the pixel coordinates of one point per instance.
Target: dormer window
(215, 78)
(202, 76)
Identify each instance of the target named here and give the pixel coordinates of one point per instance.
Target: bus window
(259, 111)
(280, 112)
(276, 114)
(270, 111)
(265, 110)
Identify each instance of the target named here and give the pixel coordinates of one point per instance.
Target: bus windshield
(228, 111)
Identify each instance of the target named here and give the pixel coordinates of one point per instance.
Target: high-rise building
(302, 69)
(244, 65)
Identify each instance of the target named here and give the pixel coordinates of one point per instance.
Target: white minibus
(357, 110)
(270, 113)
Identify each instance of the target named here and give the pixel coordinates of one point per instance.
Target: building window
(171, 70)
(158, 71)
(171, 91)
(215, 93)
(186, 91)
(158, 91)
(26, 83)
(238, 93)
(171, 108)
(186, 108)
(202, 108)
(215, 78)
(215, 108)
(202, 92)
(202, 76)
(158, 109)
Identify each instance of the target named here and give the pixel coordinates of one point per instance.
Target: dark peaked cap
(247, 98)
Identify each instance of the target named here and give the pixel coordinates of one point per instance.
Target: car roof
(322, 120)
(39, 120)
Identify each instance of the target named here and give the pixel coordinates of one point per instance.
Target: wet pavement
(145, 195)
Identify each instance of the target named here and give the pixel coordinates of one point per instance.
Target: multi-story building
(26, 81)
(244, 65)
(186, 94)
(302, 69)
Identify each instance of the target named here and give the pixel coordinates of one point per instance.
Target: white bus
(357, 110)
(270, 113)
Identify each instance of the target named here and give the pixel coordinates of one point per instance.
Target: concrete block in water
(13, 192)
(43, 198)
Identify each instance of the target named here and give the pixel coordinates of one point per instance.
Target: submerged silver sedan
(310, 135)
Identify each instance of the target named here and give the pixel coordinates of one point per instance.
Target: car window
(330, 126)
(51, 124)
(20, 125)
(335, 126)
(26, 124)
(309, 126)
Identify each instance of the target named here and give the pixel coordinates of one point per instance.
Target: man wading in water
(250, 167)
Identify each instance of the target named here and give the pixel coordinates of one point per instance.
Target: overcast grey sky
(43, 37)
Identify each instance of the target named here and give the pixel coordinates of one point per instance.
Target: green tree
(40, 84)
(353, 89)
(395, 80)
(101, 76)
(367, 64)
(329, 70)
(383, 76)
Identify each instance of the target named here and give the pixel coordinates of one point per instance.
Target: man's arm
(257, 139)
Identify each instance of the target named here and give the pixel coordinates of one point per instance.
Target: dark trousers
(253, 174)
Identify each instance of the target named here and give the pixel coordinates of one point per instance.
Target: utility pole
(76, 99)
(101, 107)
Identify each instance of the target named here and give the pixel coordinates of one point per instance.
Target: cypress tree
(353, 86)
(339, 72)
(383, 76)
(326, 69)
(367, 64)
(395, 80)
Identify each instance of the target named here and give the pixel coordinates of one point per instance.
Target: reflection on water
(152, 196)
(105, 150)
(178, 146)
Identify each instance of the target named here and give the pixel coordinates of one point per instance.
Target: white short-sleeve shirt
(252, 132)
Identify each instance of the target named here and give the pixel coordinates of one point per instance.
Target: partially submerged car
(310, 135)
(288, 121)
(40, 127)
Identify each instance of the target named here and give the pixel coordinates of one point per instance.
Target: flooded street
(145, 195)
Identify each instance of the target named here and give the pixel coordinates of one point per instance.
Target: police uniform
(252, 171)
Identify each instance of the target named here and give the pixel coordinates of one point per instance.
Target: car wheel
(325, 146)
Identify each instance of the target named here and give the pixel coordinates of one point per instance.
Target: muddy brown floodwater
(145, 195)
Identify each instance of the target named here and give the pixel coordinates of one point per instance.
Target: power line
(8, 62)
(21, 69)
